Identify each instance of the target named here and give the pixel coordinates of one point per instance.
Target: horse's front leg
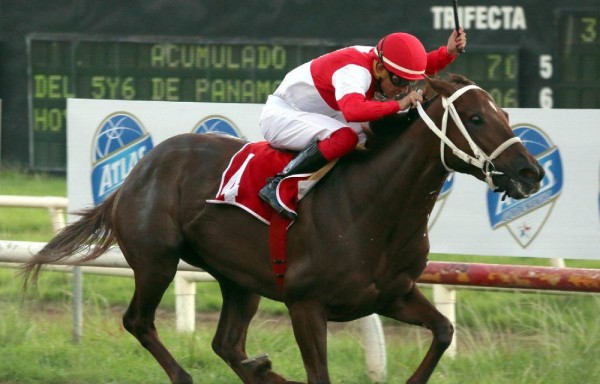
(414, 308)
(309, 322)
(239, 307)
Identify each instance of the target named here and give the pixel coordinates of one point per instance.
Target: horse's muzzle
(523, 182)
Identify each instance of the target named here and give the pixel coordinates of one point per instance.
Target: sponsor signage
(525, 218)
(106, 138)
(119, 143)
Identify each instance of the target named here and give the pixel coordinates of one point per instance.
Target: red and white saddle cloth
(247, 173)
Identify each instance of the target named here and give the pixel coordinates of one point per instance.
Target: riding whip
(456, 22)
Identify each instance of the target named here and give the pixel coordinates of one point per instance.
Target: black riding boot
(310, 159)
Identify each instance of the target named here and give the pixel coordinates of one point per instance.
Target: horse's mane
(383, 131)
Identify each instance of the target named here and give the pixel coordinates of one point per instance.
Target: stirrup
(269, 195)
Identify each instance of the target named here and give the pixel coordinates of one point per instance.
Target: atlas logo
(525, 218)
(441, 199)
(217, 124)
(119, 143)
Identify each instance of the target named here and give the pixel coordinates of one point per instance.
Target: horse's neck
(404, 180)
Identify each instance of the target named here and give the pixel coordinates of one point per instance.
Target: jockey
(319, 106)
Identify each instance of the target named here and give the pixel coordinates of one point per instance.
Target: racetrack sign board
(106, 138)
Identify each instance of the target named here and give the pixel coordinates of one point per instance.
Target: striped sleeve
(356, 108)
(438, 60)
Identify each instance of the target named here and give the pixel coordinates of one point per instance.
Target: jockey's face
(392, 86)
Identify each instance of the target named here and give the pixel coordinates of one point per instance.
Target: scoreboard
(244, 72)
(579, 59)
(496, 69)
(567, 75)
(72, 66)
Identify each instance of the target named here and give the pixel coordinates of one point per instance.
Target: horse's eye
(477, 119)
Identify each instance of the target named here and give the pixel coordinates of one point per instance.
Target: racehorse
(358, 247)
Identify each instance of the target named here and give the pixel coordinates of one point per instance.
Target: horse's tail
(91, 236)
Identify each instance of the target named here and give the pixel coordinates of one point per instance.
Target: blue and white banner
(107, 137)
(119, 143)
(530, 214)
(562, 220)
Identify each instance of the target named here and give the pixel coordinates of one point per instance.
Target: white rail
(56, 206)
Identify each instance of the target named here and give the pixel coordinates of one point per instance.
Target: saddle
(249, 170)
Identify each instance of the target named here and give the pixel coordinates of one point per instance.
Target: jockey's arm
(438, 60)
(352, 84)
(441, 57)
(356, 108)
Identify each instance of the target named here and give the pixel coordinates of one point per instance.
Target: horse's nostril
(532, 174)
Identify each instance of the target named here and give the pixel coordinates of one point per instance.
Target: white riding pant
(288, 128)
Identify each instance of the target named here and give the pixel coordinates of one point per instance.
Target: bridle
(480, 159)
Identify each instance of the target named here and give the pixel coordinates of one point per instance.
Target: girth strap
(277, 246)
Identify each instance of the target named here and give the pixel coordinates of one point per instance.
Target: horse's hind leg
(414, 308)
(239, 307)
(151, 281)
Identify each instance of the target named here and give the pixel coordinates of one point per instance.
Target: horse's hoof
(256, 359)
(259, 365)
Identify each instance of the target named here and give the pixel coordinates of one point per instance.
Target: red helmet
(403, 55)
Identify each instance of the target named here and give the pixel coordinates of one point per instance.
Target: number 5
(546, 68)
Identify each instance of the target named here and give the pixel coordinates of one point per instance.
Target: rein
(480, 159)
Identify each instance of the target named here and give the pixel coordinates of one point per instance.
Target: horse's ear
(455, 78)
(442, 87)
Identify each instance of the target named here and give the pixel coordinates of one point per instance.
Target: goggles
(398, 81)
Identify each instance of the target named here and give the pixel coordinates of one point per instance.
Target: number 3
(589, 34)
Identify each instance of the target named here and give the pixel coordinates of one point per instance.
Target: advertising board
(106, 138)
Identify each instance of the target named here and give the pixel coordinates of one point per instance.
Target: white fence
(14, 253)
(55, 205)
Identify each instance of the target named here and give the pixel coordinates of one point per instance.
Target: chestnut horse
(358, 247)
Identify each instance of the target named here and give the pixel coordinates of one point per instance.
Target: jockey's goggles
(398, 81)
